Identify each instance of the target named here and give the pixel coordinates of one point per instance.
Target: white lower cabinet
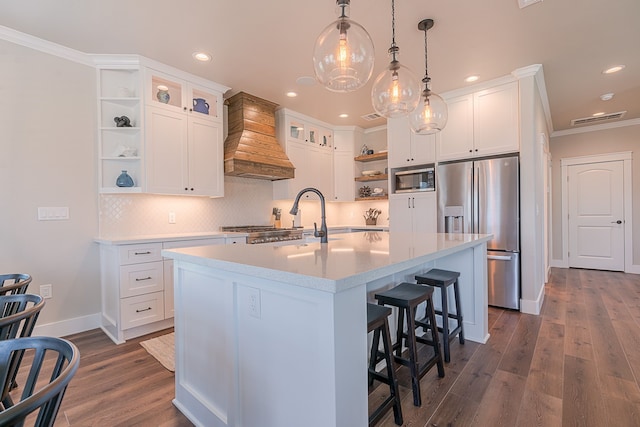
(413, 213)
(137, 286)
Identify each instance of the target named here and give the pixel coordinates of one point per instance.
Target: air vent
(589, 120)
(371, 116)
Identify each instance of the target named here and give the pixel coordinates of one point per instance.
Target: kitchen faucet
(323, 226)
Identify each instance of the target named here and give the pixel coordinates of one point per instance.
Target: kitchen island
(270, 335)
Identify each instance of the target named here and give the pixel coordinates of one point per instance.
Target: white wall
(597, 141)
(48, 158)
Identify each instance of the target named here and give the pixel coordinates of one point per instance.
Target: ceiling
(262, 47)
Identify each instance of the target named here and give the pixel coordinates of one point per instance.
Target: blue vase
(124, 180)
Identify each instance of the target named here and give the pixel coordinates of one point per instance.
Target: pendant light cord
(393, 49)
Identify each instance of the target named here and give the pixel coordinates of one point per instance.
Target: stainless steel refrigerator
(482, 196)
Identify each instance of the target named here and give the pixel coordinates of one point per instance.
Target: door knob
(616, 222)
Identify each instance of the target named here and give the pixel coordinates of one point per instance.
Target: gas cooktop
(265, 233)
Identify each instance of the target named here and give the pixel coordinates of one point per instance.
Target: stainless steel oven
(412, 180)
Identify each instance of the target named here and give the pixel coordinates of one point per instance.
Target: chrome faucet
(322, 233)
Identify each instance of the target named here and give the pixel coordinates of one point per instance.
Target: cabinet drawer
(138, 279)
(142, 309)
(145, 252)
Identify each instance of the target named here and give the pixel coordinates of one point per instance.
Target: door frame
(627, 195)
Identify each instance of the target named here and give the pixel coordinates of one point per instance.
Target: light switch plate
(53, 213)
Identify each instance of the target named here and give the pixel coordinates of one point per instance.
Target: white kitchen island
(276, 336)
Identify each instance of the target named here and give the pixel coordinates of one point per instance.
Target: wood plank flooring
(577, 364)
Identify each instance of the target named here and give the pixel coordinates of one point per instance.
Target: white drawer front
(236, 240)
(139, 279)
(142, 309)
(145, 252)
(193, 242)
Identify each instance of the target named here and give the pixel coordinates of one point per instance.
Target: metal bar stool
(443, 279)
(407, 297)
(377, 321)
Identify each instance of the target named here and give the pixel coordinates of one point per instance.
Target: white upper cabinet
(183, 137)
(407, 148)
(175, 94)
(495, 120)
(456, 139)
(309, 146)
(173, 143)
(343, 165)
(481, 124)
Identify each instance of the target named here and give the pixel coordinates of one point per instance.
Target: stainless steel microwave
(411, 180)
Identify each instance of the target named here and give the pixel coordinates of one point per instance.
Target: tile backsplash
(246, 201)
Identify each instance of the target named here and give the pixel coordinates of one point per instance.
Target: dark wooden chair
(54, 363)
(19, 314)
(11, 284)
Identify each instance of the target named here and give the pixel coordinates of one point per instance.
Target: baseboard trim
(533, 306)
(558, 263)
(635, 269)
(68, 326)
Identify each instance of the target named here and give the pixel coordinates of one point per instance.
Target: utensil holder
(371, 221)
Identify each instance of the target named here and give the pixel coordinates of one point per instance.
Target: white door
(596, 216)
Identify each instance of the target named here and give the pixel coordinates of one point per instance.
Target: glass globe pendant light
(396, 91)
(343, 55)
(431, 114)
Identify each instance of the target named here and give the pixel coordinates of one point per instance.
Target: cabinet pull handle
(142, 253)
(144, 309)
(140, 279)
(409, 202)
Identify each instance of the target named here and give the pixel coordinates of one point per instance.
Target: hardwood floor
(577, 364)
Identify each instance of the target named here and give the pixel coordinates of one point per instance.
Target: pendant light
(396, 91)
(431, 114)
(343, 55)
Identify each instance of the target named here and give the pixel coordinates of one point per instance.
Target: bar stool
(407, 297)
(378, 323)
(443, 279)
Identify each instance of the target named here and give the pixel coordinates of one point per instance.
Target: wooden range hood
(251, 149)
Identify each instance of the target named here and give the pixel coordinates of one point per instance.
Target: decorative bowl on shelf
(371, 173)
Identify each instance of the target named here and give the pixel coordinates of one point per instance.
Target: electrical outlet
(46, 291)
(172, 217)
(254, 303)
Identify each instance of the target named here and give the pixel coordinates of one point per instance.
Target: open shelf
(379, 177)
(362, 199)
(371, 157)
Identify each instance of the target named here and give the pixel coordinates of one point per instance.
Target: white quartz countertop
(349, 259)
(152, 238)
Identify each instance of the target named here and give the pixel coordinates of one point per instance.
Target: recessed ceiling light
(343, 115)
(292, 94)
(601, 113)
(614, 69)
(606, 96)
(306, 81)
(471, 79)
(201, 56)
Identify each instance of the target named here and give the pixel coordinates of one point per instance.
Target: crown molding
(595, 128)
(32, 42)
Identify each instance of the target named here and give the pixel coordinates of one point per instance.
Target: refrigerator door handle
(475, 215)
(499, 257)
